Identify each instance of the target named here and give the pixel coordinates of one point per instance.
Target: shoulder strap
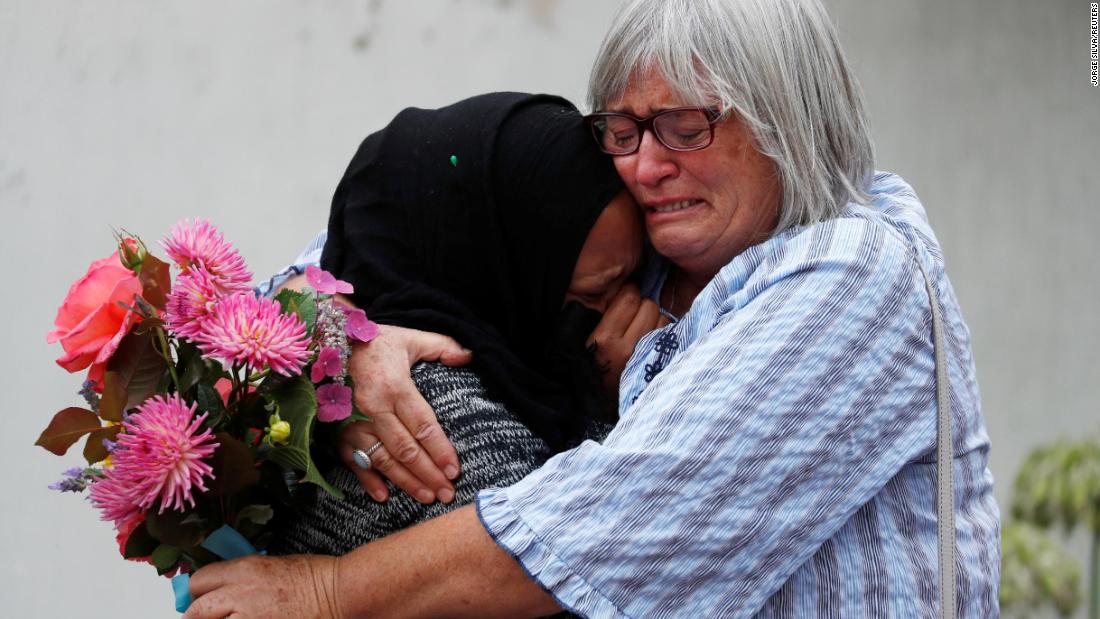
(945, 485)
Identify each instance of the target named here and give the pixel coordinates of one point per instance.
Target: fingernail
(451, 471)
(378, 495)
(446, 495)
(425, 496)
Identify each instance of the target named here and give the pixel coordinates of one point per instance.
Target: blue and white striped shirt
(311, 255)
(775, 454)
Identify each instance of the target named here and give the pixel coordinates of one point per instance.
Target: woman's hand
(627, 319)
(298, 586)
(415, 454)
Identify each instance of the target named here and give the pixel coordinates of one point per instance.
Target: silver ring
(362, 458)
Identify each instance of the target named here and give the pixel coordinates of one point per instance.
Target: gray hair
(777, 64)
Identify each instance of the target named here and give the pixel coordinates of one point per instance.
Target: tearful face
(610, 254)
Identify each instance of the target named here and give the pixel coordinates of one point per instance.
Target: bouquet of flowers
(200, 396)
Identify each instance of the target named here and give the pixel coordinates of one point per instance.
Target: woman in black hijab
(468, 221)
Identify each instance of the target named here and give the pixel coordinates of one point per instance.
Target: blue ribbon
(227, 543)
(181, 586)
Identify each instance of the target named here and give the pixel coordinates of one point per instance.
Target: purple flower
(325, 283)
(328, 363)
(76, 480)
(87, 390)
(358, 326)
(333, 402)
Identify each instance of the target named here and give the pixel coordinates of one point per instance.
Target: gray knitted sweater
(494, 448)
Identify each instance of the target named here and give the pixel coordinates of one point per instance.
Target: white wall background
(135, 114)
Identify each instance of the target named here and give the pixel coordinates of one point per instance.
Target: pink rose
(90, 322)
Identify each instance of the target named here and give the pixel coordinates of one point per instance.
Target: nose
(653, 162)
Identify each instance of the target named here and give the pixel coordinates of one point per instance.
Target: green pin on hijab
(454, 160)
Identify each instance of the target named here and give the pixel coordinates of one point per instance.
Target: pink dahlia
(193, 296)
(200, 245)
(115, 499)
(243, 328)
(159, 455)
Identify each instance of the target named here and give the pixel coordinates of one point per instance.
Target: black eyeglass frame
(713, 116)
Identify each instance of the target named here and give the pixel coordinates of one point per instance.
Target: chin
(672, 245)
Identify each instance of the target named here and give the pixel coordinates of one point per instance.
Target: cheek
(625, 167)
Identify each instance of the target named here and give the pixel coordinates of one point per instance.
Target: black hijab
(467, 221)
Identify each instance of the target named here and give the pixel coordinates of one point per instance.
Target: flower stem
(238, 387)
(166, 351)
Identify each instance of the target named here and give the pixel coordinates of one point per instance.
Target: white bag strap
(945, 485)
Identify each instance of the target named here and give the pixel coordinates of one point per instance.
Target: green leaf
(170, 528)
(165, 383)
(297, 401)
(1059, 483)
(260, 514)
(192, 364)
(210, 401)
(234, 468)
(303, 303)
(1037, 573)
(94, 451)
(273, 383)
(289, 299)
(112, 401)
(156, 280)
(67, 426)
(194, 518)
(165, 557)
(133, 374)
(140, 544)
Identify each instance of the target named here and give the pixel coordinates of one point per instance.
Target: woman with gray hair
(782, 443)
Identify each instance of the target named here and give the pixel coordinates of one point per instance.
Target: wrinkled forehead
(687, 77)
(648, 90)
(649, 77)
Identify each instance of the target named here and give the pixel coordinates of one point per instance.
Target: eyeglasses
(680, 129)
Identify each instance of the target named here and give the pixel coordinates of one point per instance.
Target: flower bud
(131, 252)
(279, 432)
